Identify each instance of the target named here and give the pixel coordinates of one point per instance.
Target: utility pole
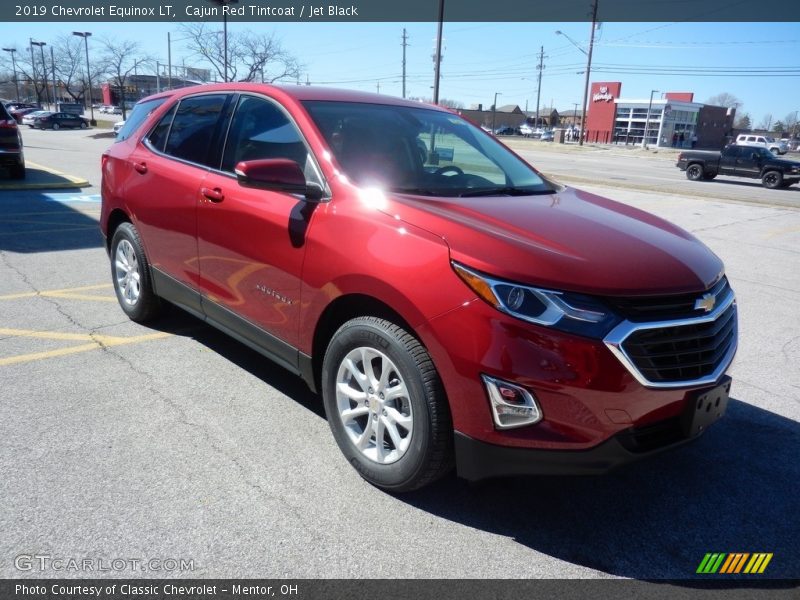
(379, 87)
(405, 43)
(437, 59)
(169, 61)
(539, 68)
(588, 72)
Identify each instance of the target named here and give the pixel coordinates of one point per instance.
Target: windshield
(420, 151)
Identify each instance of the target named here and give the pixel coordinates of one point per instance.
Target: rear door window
(158, 135)
(193, 127)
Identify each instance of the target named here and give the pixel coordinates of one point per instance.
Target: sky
(759, 63)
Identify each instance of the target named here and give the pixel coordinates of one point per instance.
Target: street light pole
(44, 68)
(14, 67)
(494, 110)
(222, 3)
(647, 120)
(85, 35)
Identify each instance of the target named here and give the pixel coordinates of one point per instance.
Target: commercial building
(673, 119)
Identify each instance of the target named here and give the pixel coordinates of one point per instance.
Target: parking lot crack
(245, 473)
(780, 211)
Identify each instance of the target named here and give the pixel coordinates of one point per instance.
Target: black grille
(656, 308)
(682, 352)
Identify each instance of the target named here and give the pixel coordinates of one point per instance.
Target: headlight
(567, 311)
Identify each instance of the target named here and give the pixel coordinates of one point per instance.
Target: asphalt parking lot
(176, 442)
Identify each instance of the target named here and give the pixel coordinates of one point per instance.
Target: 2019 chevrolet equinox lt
(452, 305)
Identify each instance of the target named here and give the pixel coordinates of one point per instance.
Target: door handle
(215, 195)
(140, 167)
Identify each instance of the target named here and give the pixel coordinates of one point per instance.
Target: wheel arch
(337, 313)
(115, 219)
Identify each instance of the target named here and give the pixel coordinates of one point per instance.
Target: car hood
(569, 240)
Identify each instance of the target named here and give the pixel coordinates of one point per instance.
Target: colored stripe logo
(734, 562)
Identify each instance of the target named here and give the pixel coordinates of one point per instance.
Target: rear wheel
(772, 179)
(18, 171)
(694, 172)
(83, 125)
(386, 406)
(56, 126)
(130, 272)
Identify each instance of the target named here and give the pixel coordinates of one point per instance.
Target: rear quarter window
(137, 116)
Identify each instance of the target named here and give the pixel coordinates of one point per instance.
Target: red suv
(450, 303)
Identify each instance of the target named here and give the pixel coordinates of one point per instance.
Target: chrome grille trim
(616, 337)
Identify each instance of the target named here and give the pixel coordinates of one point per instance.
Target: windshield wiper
(417, 190)
(503, 191)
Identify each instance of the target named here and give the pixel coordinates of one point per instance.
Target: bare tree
(725, 99)
(766, 122)
(743, 122)
(70, 67)
(791, 123)
(256, 56)
(27, 65)
(120, 59)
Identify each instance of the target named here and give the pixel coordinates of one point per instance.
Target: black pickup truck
(740, 161)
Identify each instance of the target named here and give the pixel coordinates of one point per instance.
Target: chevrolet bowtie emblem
(706, 303)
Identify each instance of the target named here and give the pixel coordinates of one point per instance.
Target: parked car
(761, 141)
(526, 130)
(59, 120)
(740, 161)
(29, 118)
(456, 307)
(505, 130)
(12, 154)
(117, 126)
(546, 136)
(19, 113)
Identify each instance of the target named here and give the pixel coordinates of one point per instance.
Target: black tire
(709, 176)
(428, 452)
(144, 306)
(772, 179)
(694, 172)
(83, 125)
(56, 126)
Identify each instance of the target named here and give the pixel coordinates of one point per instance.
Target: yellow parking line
(96, 342)
(60, 293)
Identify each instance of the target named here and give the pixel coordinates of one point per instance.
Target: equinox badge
(706, 303)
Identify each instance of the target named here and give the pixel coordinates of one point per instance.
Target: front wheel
(694, 172)
(83, 125)
(56, 126)
(386, 406)
(130, 272)
(772, 179)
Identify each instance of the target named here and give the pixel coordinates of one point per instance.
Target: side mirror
(280, 174)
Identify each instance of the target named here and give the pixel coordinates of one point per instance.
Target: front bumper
(477, 460)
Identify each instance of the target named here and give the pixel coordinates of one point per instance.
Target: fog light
(512, 405)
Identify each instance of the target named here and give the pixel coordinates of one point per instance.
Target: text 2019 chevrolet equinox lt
(452, 305)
